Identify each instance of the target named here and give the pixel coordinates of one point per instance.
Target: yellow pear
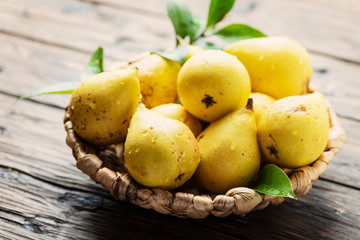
(193, 50)
(213, 83)
(261, 101)
(159, 151)
(157, 79)
(293, 131)
(278, 66)
(229, 152)
(178, 112)
(102, 105)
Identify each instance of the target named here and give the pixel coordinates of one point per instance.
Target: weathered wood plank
(32, 140)
(33, 209)
(28, 65)
(326, 27)
(315, 216)
(346, 164)
(339, 82)
(83, 26)
(348, 7)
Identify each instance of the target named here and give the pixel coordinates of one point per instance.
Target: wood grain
(347, 161)
(40, 210)
(331, 27)
(32, 141)
(82, 26)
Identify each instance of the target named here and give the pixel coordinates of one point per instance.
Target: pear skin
(261, 101)
(213, 83)
(178, 112)
(229, 152)
(278, 66)
(160, 152)
(157, 79)
(293, 131)
(102, 105)
(193, 50)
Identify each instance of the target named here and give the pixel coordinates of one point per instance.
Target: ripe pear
(102, 105)
(193, 50)
(178, 112)
(159, 151)
(213, 83)
(261, 101)
(293, 131)
(278, 66)
(229, 152)
(157, 79)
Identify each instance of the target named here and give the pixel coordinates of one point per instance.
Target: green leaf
(180, 16)
(218, 10)
(179, 54)
(197, 28)
(95, 64)
(201, 42)
(235, 32)
(274, 181)
(57, 88)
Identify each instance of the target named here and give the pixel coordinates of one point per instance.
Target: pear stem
(249, 104)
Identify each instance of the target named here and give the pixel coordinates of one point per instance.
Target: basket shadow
(112, 219)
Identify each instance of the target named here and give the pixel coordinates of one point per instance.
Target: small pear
(261, 101)
(278, 66)
(157, 79)
(229, 152)
(159, 151)
(178, 112)
(193, 50)
(293, 131)
(102, 105)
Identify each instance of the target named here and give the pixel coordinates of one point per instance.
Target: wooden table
(42, 193)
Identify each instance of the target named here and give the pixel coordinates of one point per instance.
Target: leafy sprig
(192, 29)
(57, 88)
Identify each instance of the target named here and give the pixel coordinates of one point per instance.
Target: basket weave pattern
(106, 166)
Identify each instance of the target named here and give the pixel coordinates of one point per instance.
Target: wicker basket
(106, 166)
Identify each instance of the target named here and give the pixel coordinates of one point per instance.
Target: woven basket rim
(239, 201)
